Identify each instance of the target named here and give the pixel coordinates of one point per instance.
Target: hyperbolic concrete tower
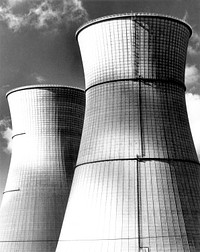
(136, 185)
(47, 125)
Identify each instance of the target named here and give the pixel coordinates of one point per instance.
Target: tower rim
(36, 86)
(134, 15)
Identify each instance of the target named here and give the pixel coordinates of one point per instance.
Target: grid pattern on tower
(153, 48)
(136, 184)
(111, 129)
(42, 166)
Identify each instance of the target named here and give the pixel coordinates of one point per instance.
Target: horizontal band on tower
(14, 190)
(30, 241)
(18, 134)
(124, 238)
(142, 159)
(142, 80)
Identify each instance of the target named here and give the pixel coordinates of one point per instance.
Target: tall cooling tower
(47, 125)
(136, 185)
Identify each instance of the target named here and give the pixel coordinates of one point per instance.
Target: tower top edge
(134, 16)
(43, 86)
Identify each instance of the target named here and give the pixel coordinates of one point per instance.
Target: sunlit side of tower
(47, 125)
(136, 185)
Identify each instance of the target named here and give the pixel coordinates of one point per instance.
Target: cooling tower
(47, 125)
(136, 184)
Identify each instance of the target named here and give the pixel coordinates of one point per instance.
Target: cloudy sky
(37, 45)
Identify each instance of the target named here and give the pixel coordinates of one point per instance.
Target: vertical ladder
(137, 50)
(137, 44)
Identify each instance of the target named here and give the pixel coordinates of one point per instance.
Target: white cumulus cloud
(186, 16)
(193, 108)
(192, 77)
(194, 46)
(13, 21)
(13, 3)
(43, 14)
(6, 134)
(40, 79)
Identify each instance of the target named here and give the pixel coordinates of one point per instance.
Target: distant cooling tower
(47, 125)
(137, 181)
